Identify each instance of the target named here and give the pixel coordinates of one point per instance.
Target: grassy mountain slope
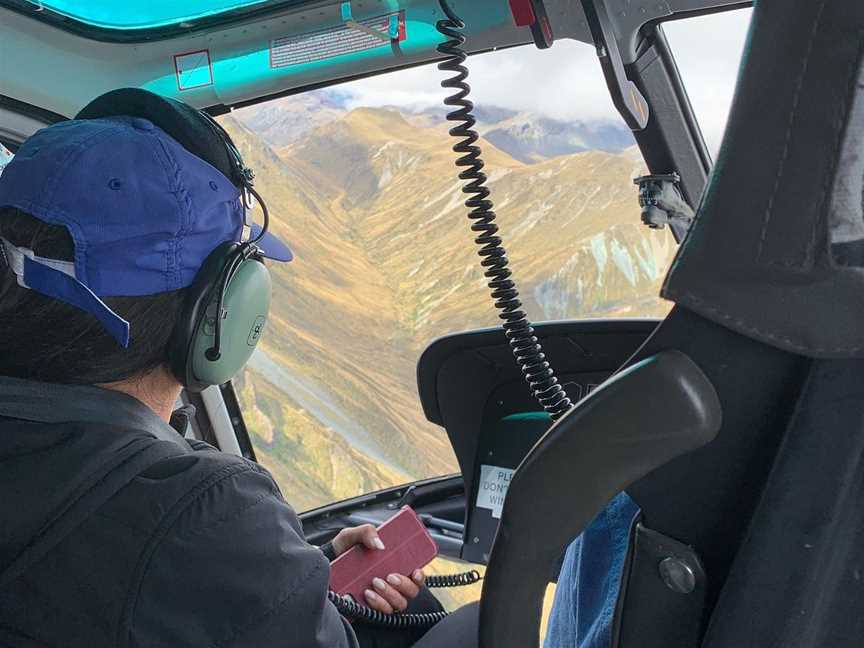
(385, 263)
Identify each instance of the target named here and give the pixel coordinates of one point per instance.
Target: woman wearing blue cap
(121, 249)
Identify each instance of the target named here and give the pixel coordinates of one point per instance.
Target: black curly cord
(526, 348)
(520, 334)
(454, 580)
(353, 610)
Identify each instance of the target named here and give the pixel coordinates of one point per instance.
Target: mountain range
(369, 201)
(525, 136)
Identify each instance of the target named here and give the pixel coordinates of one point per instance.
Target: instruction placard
(494, 482)
(333, 41)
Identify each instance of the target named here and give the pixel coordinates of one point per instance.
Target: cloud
(523, 78)
(708, 51)
(566, 82)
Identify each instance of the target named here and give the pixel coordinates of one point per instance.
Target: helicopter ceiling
(223, 53)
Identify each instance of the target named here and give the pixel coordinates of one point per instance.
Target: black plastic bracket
(662, 202)
(625, 95)
(662, 601)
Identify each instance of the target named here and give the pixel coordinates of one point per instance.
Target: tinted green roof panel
(141, 14)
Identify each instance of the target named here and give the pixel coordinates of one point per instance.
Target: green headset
(226, 307)
(208, 350)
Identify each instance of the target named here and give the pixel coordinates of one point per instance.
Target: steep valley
(369, 201)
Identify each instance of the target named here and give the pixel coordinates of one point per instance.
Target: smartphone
(408, 546)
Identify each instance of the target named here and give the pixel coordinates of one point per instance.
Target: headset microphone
(244, 259)
(245, 177)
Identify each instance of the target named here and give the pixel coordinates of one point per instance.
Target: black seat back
(706, 498)
(801, 565)
(770, 309)
(765, 283)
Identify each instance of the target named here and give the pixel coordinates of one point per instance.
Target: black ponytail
(47, 340)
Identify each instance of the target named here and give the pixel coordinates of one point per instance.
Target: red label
(523, 13)
(547, 29)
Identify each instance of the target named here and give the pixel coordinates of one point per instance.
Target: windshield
(360, 180)
(141, 14)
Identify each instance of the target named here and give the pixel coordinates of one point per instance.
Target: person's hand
(390, 593)
(393, 593)
(366, 535)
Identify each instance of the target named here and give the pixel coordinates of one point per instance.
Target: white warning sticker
(336, 41)
(494, 482)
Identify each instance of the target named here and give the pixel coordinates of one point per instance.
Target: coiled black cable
(520, 334)
(348, 607)
(353, 610)
(454, 580)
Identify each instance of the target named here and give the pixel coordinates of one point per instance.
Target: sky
(565, 81)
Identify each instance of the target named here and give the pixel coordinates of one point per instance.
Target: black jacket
(115, 531)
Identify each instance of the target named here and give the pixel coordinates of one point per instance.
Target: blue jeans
(584, 607)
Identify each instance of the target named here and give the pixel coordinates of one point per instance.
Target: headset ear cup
(246, 306)
(190, 332)
(198, 297)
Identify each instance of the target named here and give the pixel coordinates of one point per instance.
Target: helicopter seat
(749, 532)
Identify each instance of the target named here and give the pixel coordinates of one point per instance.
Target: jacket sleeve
(229, 567)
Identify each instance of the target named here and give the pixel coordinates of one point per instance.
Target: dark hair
(44, 339)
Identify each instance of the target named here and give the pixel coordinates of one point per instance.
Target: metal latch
(391, 34)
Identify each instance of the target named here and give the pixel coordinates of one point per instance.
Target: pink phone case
(408, 546)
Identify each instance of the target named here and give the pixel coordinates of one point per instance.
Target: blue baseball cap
(143, 213)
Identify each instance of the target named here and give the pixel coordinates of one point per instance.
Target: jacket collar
(31, 400)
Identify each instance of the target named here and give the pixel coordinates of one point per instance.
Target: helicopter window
(846, 216)
(360, 180)
(709, 78)
(134, 14)
(710, 83)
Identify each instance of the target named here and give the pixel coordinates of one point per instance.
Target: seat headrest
(777, 248)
